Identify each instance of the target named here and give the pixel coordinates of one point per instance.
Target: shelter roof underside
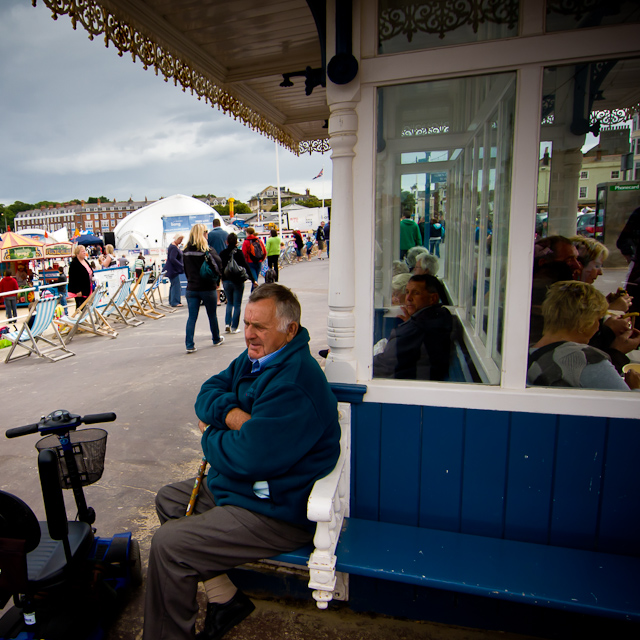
(231, 53)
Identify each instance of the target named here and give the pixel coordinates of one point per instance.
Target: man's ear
(435, 298)
(292, 330)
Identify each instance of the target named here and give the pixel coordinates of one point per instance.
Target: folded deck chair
(88, 318)
(155, 295)
(30, 338)
(118, 308)
(139, 301)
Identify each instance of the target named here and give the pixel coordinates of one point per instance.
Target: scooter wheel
(135, 564)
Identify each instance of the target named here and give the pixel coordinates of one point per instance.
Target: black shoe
(323, 353)
(223, 617)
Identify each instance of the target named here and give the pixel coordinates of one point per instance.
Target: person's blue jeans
(434, 246)
(234, 292)
(255, 270)
(208, 299)
(11, 306)
(174, 290)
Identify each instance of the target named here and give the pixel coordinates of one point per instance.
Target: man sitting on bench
(419, 348)
(270, 429)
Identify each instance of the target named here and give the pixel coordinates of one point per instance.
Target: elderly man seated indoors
(419, 348)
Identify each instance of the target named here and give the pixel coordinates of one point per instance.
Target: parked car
(588, 226)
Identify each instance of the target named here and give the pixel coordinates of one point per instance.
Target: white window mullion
(526, 147)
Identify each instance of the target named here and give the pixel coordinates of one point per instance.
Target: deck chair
(88, 318)
(139, 301)
(118, 308)
(154, 292)
(29, 338)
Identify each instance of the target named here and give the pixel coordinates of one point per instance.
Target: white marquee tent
(154, 226)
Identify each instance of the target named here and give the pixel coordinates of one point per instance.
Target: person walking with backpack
(200, 289)
(254, 253)
(233, 277)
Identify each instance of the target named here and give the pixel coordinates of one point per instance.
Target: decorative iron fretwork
(317, 146)
(613, 117)
(443, 16)
(430, 129)
(97, 20)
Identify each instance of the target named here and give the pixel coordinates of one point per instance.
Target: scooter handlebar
(94, 418)
(22, 431)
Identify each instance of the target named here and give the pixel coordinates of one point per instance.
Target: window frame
(527, 57)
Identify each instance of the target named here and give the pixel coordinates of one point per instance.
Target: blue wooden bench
(581, 580)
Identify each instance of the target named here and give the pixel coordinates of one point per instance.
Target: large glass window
(444, 161)
(584, 203)
(407, 25)
(563, 15)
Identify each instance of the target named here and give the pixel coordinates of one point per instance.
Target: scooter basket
(89, 447)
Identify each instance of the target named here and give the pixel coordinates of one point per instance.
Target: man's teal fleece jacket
(291, 440)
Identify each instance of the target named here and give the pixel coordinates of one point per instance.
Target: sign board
(307, 219)
(59, 250)
(624, 187)
(175, 224)
(21, 253)
(113, 278)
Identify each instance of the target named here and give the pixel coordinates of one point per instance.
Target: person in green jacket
(273, 251)
(270, 429)
(409, 234)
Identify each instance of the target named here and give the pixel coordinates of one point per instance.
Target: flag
(320, 174)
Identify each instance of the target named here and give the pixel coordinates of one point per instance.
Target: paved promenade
(147, 379)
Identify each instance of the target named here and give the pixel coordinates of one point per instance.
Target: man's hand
(632, 378)
(618, 325)
(202, 426)
(236, 418)
(627, 342)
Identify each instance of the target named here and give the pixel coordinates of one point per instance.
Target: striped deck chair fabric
(138, 300)
(154, 292)
(88, 318)
(29, 338)
(118, 308)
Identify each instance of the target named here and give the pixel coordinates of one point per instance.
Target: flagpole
(323, 186)
(279, 201)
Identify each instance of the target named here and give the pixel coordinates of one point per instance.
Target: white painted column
(343, 127)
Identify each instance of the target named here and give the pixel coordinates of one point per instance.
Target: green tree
(238, 207)
(93, 200)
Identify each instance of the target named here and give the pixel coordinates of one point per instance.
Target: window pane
(444, 161)
(586, 196)
(405, 25)
(564, 15)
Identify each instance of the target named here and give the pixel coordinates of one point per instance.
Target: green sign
(21, 253)
(624, 187)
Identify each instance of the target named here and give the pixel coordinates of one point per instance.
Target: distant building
(95, 217)
(268, 198)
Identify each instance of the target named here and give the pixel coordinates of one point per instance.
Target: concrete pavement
(147, 379)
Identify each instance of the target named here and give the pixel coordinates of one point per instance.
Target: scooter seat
(47, 562)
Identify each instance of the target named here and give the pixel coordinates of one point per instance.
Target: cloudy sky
(76, 120)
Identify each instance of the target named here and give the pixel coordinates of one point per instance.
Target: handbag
(233, 271)
(209, 270)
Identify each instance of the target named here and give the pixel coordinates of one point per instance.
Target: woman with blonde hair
(591, 255)
(80, 275)
(562, 357)
(109, 259)
(198, 289)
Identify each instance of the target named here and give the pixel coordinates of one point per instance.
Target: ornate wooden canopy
(234, 54)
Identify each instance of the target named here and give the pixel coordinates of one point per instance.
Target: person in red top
(9, 283)
(254, 253)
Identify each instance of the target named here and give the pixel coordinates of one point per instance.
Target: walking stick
(196, 487)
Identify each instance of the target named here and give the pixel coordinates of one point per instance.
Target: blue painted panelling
(531, 464)
(484, 472)
(441, 480)
(620, 503)
(365, 461)
(400, 449)
(576, 492)
(562, 480)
